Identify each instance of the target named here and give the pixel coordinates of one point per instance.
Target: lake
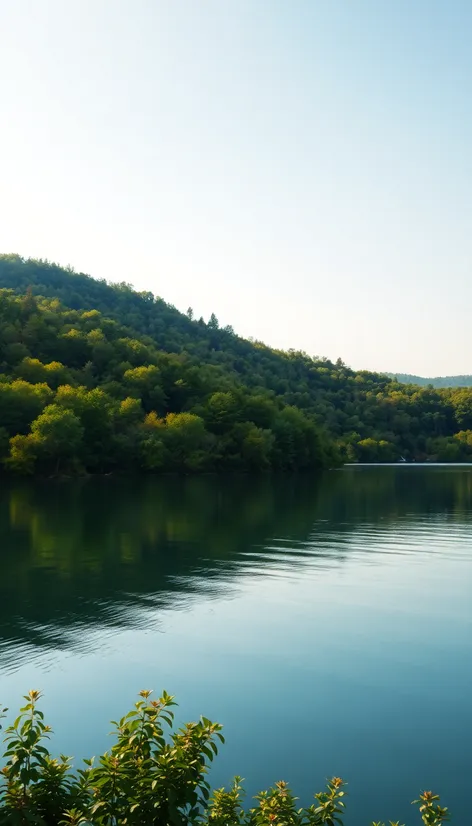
(327, 622)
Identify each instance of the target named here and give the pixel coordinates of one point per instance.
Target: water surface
(327, 623)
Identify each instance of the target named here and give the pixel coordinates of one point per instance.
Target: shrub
(152, 776)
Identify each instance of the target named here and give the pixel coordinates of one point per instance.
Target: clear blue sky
(302, 168)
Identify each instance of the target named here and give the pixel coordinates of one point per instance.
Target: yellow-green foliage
(153, 775)
(261, 408)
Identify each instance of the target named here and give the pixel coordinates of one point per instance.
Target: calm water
(327, 624)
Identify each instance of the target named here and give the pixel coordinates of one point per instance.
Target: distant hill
(438, 381)
(98, 377)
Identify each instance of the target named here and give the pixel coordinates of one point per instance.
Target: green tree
(95, 410)
(144, 383)
(55, 440)
(35, 372)
(259, 409)
(371, 450)
(221, 412)
(462, 404)
(298, 444)
(58, 435)
(256, 446)
(185, 439)
(21, 403)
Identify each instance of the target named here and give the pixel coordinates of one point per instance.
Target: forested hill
(438, 381)
(98, 377)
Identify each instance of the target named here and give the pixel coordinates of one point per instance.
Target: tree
(462, 404)
(145, 383)
(20, 403)
(35, 372)
(58, 434)
(298, 444)
(184, 437)
(256, 446)
(221, 412)
(130, 412)
(55, 439)
(22, 456)
(259, 409)
(371, 450)
(153, 451)
(95, 411)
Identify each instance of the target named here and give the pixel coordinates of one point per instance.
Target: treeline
(177, 393)
(437, 381)
(78, 392)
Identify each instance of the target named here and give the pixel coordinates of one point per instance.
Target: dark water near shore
(326, 623)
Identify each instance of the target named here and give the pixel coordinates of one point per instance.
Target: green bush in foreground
(148, 779)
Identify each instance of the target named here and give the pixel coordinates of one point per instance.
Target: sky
(301, 168)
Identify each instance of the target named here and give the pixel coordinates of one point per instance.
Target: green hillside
(99, 377)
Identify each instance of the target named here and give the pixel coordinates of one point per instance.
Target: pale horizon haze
(301, 168)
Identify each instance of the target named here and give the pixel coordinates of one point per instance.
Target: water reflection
(111, 553)
(344, 598)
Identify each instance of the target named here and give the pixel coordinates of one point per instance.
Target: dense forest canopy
(102, 378)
